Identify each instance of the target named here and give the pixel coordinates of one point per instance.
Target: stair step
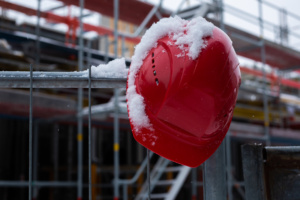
(156, 174)
(173, 169)
(158, 195)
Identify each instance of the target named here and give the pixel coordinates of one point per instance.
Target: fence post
(215, 175)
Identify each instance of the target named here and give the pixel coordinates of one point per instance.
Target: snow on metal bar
(9, 79)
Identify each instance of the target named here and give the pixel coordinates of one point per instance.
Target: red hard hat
(189, 103)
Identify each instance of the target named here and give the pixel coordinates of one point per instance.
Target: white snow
(187, 35)
(114, 69)
(136, 109)
(197, 29)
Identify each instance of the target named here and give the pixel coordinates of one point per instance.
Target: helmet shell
(188, 102)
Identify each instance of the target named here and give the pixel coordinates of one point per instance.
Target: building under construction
(66, 135)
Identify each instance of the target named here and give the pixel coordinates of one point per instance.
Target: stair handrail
(137, 174)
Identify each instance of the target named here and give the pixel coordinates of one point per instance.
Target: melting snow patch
(114, 69)
(136, 108)
(187, 35)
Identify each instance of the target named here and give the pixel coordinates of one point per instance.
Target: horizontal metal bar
(54, 8)
(253, 19)
(290, 150)
(257, 43)
(38, 183)
(14, 183)
(288, 156)
(10, 79)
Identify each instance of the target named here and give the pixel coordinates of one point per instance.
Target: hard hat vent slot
(154, 71)
(156, 81)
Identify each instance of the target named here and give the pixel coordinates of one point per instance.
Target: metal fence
(215, 174)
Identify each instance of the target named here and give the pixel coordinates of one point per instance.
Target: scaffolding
(267, 129)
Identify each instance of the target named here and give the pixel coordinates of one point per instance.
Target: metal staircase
(171, 187)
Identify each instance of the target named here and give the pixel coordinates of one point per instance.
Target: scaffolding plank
(72, 22)
(141, 9)
(249, 46)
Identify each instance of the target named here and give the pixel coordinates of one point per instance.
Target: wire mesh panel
(47, 138)
(34, 80)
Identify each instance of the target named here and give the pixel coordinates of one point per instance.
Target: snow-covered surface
(187, 35)
(114, 69)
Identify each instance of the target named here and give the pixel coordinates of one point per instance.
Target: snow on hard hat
(182, 88)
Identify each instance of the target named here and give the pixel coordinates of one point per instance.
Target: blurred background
(68, 35)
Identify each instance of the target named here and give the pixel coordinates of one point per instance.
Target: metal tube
(116, 33)
(123, 47)
(148, 174)
(55, 8)
(138, 173)
(116, 146)
(228, 165)
(194, 183)
(95, 141)
(57, 80)
(178, 8)
(215, 175)
(280, 103)
(37, 32)
(79, 145)
(80, 52)
(220, 5)
(90, 138)
(116, 114)
(38, 184)
(263, 60)
(106, 48)
(250, 18)
(146, 20)
(79, 107)
(89, 56)
(35, 157)
(125, 195)
(30, 138)
(55, 150)
(158, 15)
(70, 152)
(246, 39)
(89, 124)
(55, 153)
